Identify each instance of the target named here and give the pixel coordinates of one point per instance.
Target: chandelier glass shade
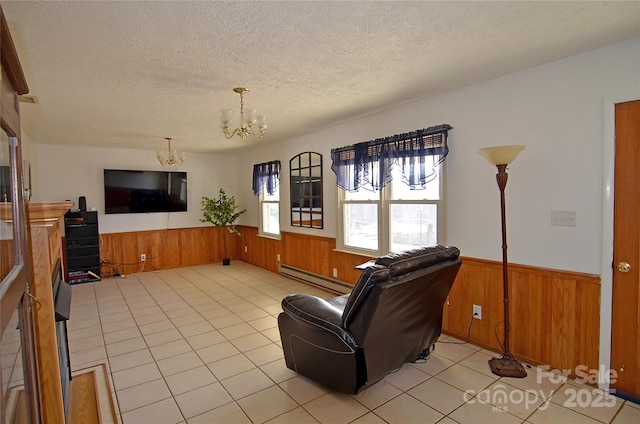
(170, 157)
(248, 120)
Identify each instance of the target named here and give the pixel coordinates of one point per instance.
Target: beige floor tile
(475, 412)
(440, 396)
(278, 371)
(434, 364)
(518, 402)
(465, 378)
(452, 351)
(196, 328)
(205, 339)
(246, 383)
(169, 349)
(76, 345)
(159, 326)
(243, 302)
(377, 394)
(264, 323)
(84, 358)
(126, 346)
(302, 389)
(295, 416)
(163, 337)
(179, 363)
(130, 360)
(81, 333)
(334, 408)
(253, 314)
(118, 325)
(372, 418)
(628, 414)
(479, 361)
(267, 404)
(189, 380)
(556, 414)
(229, 413)
(406, 377)
(135, 376)
(213, 314)
(405, 409)
(250, 342)
(217, 352)
(163, 412)
(188, 319)
(120, 335)
(265, 354)
(119, 316)
(230, 366)
(588, 401)
(203, 399)
(142, 394)
(152, 317)
(238, 330)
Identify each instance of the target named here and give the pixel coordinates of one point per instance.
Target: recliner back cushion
(422, 257)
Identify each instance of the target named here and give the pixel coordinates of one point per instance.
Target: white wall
(68, 172)
(555, 109)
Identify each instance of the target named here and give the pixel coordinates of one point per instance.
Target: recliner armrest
(315, 311)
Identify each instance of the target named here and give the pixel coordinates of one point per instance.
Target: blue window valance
(368, 164)
(266, 173)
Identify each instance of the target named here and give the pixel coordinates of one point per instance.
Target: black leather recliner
(392, 316)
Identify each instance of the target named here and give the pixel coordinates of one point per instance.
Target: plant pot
(226, 261)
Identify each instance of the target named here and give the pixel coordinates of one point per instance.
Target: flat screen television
(130, 191)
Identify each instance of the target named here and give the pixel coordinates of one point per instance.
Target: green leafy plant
(222, 211)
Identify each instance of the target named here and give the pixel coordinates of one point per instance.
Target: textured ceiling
(128, 74)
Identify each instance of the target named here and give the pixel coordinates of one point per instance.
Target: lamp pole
(506, 365)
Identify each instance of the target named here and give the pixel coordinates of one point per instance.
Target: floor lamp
(501, 156)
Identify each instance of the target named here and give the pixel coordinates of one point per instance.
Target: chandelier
(171, 157)
(248, 119)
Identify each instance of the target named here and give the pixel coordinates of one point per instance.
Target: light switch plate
(563, 218)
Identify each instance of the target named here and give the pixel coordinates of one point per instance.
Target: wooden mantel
(46, 249)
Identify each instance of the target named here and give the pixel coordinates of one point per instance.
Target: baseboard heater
(314, 279)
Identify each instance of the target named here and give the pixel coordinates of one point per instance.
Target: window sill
(271, 236)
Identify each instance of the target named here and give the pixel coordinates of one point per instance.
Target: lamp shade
(501, 155)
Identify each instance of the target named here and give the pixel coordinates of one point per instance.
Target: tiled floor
(201, 345)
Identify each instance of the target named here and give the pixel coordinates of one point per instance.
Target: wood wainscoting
(555, 316)
(173, 248)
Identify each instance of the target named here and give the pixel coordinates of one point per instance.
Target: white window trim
(384, 242)
(261, 203)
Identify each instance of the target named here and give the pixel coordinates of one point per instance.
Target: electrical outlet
(477, 311)
(278, 257)
(335, 272)
(143, 257)
(245, 249)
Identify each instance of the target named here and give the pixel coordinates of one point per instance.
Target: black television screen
(129, 191)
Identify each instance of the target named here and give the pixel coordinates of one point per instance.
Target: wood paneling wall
(554, 314)
(164, 249)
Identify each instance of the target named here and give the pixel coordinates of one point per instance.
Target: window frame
(266, 199)
(384, 203)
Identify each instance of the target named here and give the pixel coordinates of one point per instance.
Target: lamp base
(507, 366)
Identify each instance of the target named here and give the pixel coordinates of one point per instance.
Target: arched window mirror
(306, 190)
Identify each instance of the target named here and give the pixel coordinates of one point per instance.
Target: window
(270, 212)
(392, 219)
(266, 185)
(390, 192)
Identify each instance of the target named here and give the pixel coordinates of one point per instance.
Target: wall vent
(319, 281)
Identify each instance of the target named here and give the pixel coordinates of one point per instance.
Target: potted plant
(222, 211)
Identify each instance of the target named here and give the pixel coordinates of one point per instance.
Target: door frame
(606, 273)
